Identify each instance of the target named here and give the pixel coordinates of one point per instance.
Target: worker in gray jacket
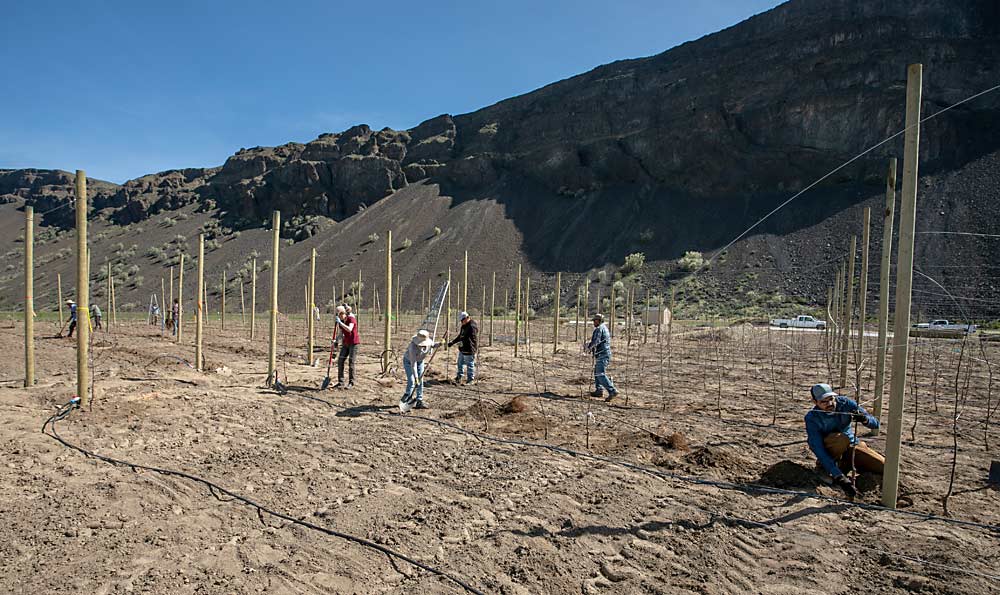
(600, 346)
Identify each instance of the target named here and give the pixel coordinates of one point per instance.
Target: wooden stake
(527, 310)
(904, 285)
(312, 304)
(447, 318)
(29, 296)
(253, 300)
(465, 283)
(517, 311)
(862, 298)
(223, 310)
(576, 315)
(243, 305)
(555, 318)
(883, 288)
(199, 312)
(387, 341)
(82, 292)
(272, 348)
(59, 292)
(180, 299)
(848, 311)
(163, 303)
(493, 306)
(838, 298)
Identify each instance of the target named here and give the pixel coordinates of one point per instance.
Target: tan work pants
(865, 459)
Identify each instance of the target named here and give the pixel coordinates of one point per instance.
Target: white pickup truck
(799, 322)
(943, 325)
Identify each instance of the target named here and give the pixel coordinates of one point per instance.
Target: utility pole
(883, 288)
(904, 284)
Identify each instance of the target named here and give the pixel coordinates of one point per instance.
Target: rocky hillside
(661, 155)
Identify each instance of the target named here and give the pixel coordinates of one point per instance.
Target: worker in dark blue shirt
(832, 440)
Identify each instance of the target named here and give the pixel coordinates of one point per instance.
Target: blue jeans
(601, 378)
(412, 377)
(467, 360)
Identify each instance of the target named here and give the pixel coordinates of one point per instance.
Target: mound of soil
(789, 474)
(518, 404)
(718, 458)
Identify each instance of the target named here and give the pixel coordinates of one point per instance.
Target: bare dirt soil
(516, 484)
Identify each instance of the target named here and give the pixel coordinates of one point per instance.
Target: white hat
(341, 310)
(423, 339)
(70, 302)
(463, 315)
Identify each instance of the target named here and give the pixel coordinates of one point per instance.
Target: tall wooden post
(272, 347)
(82, 292)
(465, 282)
(29, 296)
(243, 305)
(310, 344)
(493, 299)
(357, 302)
(170, 304)
(848, 312)
(59, 295)
(586, 301)
(555, 317)
(180, 299)
(447, 318)
(200, 310)
(576, 316)
(863, 296)
(429, 298)
(527, 310)
(253, 300)
(223, 301)
(163, 303)
(517, 311)
(838, 298)
(828, 317)
(883, 288)
(611, 325)
(904, 284)
(387, 341)
(108, 283)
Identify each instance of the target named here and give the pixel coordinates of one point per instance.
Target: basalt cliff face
(674, 152)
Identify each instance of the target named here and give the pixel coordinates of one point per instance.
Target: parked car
(799, 322)
(943, 325)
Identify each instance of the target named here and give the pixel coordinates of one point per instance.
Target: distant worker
(468, 336)
(72, 317)
(421, 345)
(175, 315)
(348, 325)
(95, 313)
(600, 346)
(155, 318)
(832, 440)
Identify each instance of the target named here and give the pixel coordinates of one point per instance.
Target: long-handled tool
(329, 362)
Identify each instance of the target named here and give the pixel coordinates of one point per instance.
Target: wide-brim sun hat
(423, 339)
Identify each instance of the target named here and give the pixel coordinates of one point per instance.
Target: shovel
(329, 362)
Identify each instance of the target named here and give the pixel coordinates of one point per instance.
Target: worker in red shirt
(347, 323)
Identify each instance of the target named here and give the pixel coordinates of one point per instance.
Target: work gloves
(844, 483)
(859, 417)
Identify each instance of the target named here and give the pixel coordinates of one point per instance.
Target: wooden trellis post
(517, 311)
(555, 317)
(883, 289)
(29, 296)
(82, 293)
(272, 348)
(200, 308)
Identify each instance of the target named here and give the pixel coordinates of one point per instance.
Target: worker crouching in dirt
(413, 364)
(468, 336)
(832, 440)
(600, 346)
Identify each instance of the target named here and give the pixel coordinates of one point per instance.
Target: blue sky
(125, 88)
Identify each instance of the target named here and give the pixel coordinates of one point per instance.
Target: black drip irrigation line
(49, 429)
(749, 488)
